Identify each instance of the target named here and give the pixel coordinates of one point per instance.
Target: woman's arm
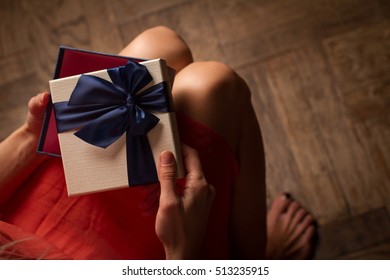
(17, 152)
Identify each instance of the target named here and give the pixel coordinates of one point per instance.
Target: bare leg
(160, 42)
(213, 94)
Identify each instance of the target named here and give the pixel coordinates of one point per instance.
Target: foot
(290, 230)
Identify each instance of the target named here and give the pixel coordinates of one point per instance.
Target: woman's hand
(181, 220)
(17, 151)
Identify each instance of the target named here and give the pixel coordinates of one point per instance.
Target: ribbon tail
(142, 121)
(141, 169)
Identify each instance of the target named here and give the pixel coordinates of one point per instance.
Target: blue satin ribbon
(104, 111)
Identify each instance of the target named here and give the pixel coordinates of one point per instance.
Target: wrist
(29, 137)
(28, 142)
(19, 159)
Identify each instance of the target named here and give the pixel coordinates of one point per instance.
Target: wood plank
(15, 66)
(341, 238)
(14, 98)
(254, 30)
(13, 37)
(103, 34)
(190, 19)
(282, 174)
(384, 7)
(346, 153)
(15, 93)
(126, 11)
(360, 56)
(368, 109)
(51, 25)
(56, 13)
(369, 102)
(300, 101)
(11, 119)
(45, 26)
(379, 252)
(374, 134)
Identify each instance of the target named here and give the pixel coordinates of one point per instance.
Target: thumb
(36, 111)
(167, 175)
(37, 104)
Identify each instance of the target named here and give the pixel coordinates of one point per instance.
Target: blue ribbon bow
(104, 111)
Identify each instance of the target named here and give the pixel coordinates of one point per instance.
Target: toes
(298, 217)
(306, 243)
(307, 221)
(292, 209)
(302, 247)
(280, 204)
(309, 233)
(299, 229)
(302, 219)
(303, 253)
(307, 237)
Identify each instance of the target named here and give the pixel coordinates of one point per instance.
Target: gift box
(70, 62)
(113, 124)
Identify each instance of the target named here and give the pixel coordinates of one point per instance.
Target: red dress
(116, 224)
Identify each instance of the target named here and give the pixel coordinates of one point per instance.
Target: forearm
(18, 160)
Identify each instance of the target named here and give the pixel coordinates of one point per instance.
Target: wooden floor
(319, 72)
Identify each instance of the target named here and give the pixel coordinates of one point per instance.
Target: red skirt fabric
(115, 224)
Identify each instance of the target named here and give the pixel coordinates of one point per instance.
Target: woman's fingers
(170, 225)
(197, 187)
(181, 220)
(192, 165)
(167, 177)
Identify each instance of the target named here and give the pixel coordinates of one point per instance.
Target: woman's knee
(213, 94)
(212, 81)
(160, 42)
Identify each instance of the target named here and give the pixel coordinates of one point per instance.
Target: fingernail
(166, 158)
(43, 97)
